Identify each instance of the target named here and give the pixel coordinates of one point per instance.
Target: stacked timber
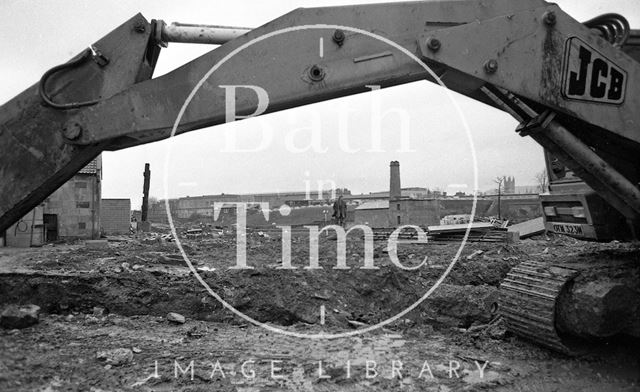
(478, 232)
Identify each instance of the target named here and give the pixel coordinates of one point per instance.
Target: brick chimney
(394, 180)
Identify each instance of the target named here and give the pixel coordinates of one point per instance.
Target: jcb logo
(589, 76)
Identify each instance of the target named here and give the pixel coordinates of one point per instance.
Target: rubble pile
(147, 273)
(141, 289)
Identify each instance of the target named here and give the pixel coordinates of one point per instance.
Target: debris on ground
(96, 244)
(529, 228)
(474, 254)
(116, 356)
(176, 318)
(171, 259)
(19, 317)
(118, 304)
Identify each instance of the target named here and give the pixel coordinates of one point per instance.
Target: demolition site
(532, 284)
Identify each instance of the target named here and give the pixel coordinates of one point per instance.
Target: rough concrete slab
(529, 228)
(176, 318)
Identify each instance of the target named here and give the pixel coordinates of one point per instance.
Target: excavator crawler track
(528, 297)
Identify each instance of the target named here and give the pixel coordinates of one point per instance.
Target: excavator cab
(573, 208)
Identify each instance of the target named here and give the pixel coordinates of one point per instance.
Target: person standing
(340, 211)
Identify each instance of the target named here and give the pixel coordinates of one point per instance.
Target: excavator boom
(476, 48)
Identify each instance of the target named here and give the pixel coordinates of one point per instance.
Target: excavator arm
(528, 58)
(525, 57)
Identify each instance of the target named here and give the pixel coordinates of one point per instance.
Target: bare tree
(542, 179)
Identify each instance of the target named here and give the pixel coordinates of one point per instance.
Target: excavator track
(528, 298)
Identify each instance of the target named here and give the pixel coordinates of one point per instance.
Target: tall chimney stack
(145, 192)
(395, 190)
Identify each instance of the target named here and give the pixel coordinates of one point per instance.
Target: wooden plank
(459, 228)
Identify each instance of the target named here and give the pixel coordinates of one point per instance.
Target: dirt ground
(118, 298)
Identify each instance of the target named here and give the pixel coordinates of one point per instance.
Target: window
(81, 184)
(82, 225)
(83, 204)
(399, 220)
(398, 206)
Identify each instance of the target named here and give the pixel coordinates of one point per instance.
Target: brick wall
(414, 212)
(375, 218)
(115, 216)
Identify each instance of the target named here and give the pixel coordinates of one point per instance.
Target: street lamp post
(499, 181)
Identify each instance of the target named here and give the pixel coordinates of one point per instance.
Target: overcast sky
(37, 35)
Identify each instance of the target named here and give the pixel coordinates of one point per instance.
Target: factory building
(398, 209)
(72, 211)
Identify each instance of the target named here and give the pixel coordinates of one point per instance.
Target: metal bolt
(98, 57)
(72, 131)
(491, 66)
(433, 44)
(549, 18)
(316, 73)
(139, 27)
(339, 37)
